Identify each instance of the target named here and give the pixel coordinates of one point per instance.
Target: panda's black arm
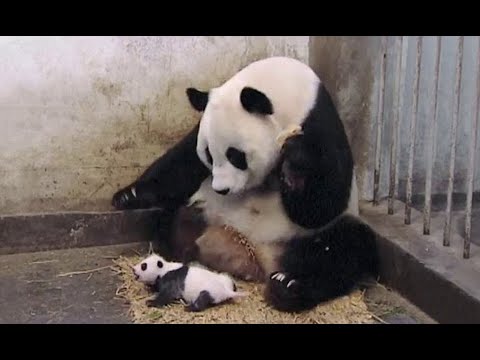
(169, 181)
(165, 294)
(317, 167)
(169, 288)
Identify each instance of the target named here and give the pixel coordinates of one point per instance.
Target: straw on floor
(250, 310)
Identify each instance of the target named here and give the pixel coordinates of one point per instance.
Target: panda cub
(198, 287)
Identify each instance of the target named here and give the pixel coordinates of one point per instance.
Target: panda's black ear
(159, 264)
(255, 101)
(198, 99)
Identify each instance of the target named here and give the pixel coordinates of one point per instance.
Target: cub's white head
(149, 269)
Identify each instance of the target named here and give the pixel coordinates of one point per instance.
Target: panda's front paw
(283, 292)
(125, 199)
(283, 279)
(297, 164)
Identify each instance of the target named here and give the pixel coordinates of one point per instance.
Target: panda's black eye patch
(144, 266)
(209, 156)
(159, 264)
(237, 158)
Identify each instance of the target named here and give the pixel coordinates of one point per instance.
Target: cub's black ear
(198, 99)
(159, 264)
(255, 101)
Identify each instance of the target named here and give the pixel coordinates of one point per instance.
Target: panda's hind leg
(202, 302)
(319, 268)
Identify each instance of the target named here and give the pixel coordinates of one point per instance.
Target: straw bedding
(249, 310)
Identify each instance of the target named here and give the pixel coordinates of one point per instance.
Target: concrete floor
(33, 289)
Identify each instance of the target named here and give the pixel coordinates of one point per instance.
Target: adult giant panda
(296, 201)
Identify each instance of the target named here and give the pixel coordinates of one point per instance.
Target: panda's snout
(135, 274)
(223, 191)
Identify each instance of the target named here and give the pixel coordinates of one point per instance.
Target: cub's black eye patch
(209, 156)
(144, 266)
(159, 264)
(237, 158)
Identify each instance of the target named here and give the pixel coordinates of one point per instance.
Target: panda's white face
(243, 117)
(147, 270)
(238, 146)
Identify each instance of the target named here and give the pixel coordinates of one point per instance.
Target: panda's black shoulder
(177, 275)
(324, 124)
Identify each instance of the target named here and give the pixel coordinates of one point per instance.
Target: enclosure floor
(36, 288)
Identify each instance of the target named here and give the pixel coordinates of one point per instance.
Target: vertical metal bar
(471, 166)
(453, 143)
(380, 112)
(396, 121)
(408, 203)
(431, 142)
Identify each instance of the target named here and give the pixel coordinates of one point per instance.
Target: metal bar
(431, 143)
(471, 167)
(380, 111)
(400, 70)
(453, 144)
(408, 203)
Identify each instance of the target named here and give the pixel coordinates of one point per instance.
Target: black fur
(255, 101)
(324, 266)
(198, 99)
(169, 288)
(237, 158)
(317, 167)
(203, 301)
(169, 181)
(316, 172)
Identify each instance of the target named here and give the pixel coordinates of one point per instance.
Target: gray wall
(82, 116)
(350, 67)
(445, 99)
(347, 65)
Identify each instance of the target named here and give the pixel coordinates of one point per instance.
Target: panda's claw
(283, 279)
(125, 198)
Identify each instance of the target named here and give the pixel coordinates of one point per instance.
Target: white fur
(290, 85)
(292, 88)
(149, 275)
(259, 216)
(219, 286)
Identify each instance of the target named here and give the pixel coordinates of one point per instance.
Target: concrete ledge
(433, 277)
(42, 232)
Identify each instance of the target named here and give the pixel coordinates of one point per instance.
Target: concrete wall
(347, 65)
(82, 116)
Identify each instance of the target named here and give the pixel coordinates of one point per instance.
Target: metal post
(453, 144)
(380, 112)
(431, 143)
(408, 203)
(399, 86)
(471, 165)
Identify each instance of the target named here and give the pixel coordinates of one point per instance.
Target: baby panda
(198, 287)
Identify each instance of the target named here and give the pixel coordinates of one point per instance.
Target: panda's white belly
(259, 216)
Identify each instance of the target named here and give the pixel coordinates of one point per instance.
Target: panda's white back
(199, 279)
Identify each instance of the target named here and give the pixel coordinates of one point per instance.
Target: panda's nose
(223, 192)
